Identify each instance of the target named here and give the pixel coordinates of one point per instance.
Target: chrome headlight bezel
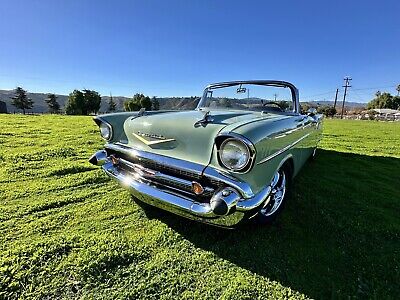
(241, 142)
(106, 131)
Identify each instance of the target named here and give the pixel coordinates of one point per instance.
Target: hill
(167, 103)
(40, 106)
(349, 105)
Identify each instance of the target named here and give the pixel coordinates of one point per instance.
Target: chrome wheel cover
(275, 200)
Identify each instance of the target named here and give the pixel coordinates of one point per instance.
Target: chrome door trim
(280, 151)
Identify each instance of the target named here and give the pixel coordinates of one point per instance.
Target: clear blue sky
(167, 48)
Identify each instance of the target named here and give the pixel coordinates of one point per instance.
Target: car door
(304, 137)
(309, 137)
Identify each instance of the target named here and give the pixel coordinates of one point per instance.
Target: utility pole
(346, 85)
(334, 105)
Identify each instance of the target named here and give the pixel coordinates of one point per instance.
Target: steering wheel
(275, 103)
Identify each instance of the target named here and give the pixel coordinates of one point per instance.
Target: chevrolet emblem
(151, 139)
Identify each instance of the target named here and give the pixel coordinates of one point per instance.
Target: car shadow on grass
(337, 237)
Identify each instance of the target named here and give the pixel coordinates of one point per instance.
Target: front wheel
(275, 202)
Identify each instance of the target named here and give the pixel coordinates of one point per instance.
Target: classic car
(230, 160)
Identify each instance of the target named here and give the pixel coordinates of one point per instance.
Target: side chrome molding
(280, 151)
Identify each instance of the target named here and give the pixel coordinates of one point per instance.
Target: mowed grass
(67, 231)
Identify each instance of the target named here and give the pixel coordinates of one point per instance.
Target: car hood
(173, 134)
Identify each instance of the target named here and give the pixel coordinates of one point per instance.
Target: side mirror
(311, 112)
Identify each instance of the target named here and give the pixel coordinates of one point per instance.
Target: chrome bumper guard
(227, 206)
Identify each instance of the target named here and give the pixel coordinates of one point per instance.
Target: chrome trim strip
(207, 171)
(282, 150)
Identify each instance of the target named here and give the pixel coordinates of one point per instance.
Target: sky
(175, 48)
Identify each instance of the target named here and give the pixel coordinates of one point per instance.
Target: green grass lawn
(67, 231)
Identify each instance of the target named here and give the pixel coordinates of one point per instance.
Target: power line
(358, 96)
(374, 88)
(322, 94)
(358, 89)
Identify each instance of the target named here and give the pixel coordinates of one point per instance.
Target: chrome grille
(170, 169)
(207, 176)
(158, 178)
(151, 164)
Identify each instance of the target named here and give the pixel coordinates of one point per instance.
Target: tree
(371, 114)
(137, 102)
(131, 105)
(396, 102)
(224, 102)
(75, 104)
(54, 106)
(155, 104)
(20, 100)
(384, 100)
(328, 111)
(92, 102)
(305, 106)
(83, 102)
(145, 102)
(111, 104)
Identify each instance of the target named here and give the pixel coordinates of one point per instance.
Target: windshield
(252, 97)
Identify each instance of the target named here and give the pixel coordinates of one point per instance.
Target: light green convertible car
(230, 160)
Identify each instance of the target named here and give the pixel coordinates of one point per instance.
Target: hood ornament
(141, 112)
(205, 120)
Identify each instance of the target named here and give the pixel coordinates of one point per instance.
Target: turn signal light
(197, 188)
(114, 160)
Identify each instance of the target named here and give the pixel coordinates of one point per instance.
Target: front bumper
(227, 206)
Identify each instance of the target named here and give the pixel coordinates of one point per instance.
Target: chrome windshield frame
(273, 83)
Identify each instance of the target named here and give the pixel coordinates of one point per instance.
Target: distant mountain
(166, 103)
(348, 105)
(40, 106)
(178, 103)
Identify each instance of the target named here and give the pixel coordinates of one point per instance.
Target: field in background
(67, 231)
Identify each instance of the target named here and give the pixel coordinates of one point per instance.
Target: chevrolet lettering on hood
(229, 161)
(151, 139)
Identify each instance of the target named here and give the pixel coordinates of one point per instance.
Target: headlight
(234, 154)
(105, 131)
